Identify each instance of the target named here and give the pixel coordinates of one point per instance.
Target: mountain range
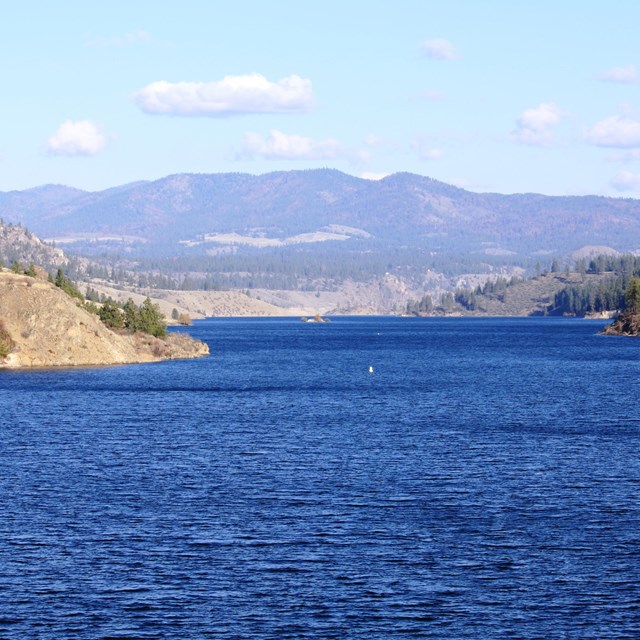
(205, 213)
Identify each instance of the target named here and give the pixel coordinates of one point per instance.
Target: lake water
(482, 482)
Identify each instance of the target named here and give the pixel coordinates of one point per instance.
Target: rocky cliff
(41, 326)
(17, 243)
(626, 324)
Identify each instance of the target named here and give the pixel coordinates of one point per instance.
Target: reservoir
(363, 478)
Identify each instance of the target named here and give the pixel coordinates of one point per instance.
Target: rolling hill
(198, 213)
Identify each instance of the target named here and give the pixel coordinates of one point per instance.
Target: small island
(46, 322)
(316, 318)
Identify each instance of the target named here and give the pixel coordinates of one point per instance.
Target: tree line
(605, 294)
(146, 318)
(602, 294)
(305, 268)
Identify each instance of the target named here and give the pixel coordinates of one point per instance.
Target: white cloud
(76, 138)
(371, 175)
(615, 131)
(233, 95)
(282, 146)
(626, 181)
(431, 154)
(535, 126)
(132, 38)
(625, 75)
(470, 185)
(425, 151)
(439, 49)
(373, 140)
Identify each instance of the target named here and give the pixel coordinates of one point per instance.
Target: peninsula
(42, 326)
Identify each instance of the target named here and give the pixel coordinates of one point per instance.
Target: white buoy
(370, 369)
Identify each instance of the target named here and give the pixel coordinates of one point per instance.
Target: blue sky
(528, 96)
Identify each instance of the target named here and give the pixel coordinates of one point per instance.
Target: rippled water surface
(483, 482)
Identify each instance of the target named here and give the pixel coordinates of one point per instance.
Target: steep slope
(18, 244)
(44, 327)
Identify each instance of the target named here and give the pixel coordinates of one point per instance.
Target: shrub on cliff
(6, 343)
(61, 281)
(111, 315)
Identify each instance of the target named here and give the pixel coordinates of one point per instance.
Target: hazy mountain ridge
(402, 208)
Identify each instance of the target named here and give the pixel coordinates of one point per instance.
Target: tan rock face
(49, 329)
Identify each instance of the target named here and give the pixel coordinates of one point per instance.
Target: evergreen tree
(151, 319)
(632, 296)
(61, 281)
(111, 315)
(146, 318)
(131, 316)
(426, 304)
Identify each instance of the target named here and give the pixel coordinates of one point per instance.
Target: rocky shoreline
(626, 324)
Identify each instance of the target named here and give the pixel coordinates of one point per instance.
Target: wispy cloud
(128, 39)
(372, 175)
(76, 138)
(282, 146)
(430, 154)
(440, 49)
(535, 126)
(231, 96)
(423, 147)
(628, 155)
(466, 183)
(626, 181)
(375, 141)
(616, 131)
(625, 75)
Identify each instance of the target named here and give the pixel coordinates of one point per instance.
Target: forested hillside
(606, 293)
(596, 286)
(196, 214)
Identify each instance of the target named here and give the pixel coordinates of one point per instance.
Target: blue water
(483, 482)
